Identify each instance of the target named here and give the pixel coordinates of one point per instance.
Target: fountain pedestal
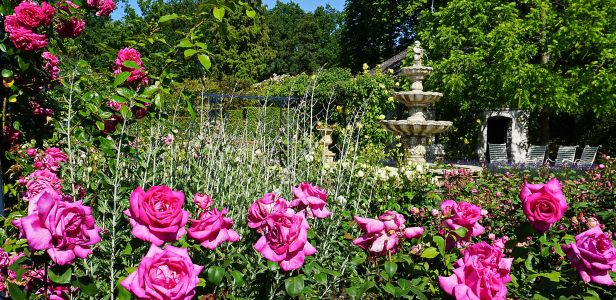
(416, 131)
(326, 139)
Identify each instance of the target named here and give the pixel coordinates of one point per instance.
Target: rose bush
(543, 204)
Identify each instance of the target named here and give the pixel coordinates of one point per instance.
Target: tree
(544, 56)
(303, 41)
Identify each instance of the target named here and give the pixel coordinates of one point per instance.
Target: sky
(307, 5)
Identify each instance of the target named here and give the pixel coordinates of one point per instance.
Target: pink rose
(459, 215)
(56, 154)
(31, 15)
(137, 75)
(543, 204)
(65, 229)
(4, 259)
(212, 229)
(105, 7)
(115, 105)
(593, 255)
(382, 236)
(203, 201)
(164, 274)
(11, 135)
(40, 180)
(51, 65)
(31, 152)
(26, 40)
(312, 199)
(286, 240)
(259, 210)
(111, 124)
(481, 273)
(71, 28)
(157, 216)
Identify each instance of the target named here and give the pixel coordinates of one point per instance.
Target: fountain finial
(418, 54)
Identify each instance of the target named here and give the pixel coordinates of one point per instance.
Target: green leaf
(205, 61)
(294, 285)
(219, 13)
(7, 73)
(125, 92)
(429, 253)
(121, 78)
(357, 291)
(440, 244)
(86, 285)
(123, 294)
(461, 232)
(201, 45)
(191, 110)
(237, 277)
(251, 13)
(185, 43)
(60, 274)
(189, 52)
(420, 295)
(16, 292)
(390, 267)
(320, 278)
(215, 274)
(130, 64)
(167, 18)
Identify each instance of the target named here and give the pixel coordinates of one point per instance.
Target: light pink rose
(593, 255)
(543, 204)
(312, 199)
(482, 273)
(213, 229)
(262, 208)
(30, 15)
(164, 274)
(157, 216)
(286, 240)
(382, 236)
(203, 201)
(65, 229)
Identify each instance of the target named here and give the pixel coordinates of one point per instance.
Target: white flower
(381, 175)
(410, 174)
(419, 168)
(309, 158)
(360, 174)
(434, 180)
(258, 152)
(345, 164)
(359, 125)
(341, 199)
(238, 159)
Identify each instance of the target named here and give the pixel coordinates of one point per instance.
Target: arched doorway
(499, 132)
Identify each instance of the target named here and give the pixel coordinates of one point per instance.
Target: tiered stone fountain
(416, 131)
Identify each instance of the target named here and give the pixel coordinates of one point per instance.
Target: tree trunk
(545, 126)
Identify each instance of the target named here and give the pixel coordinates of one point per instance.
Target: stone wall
(517, 134)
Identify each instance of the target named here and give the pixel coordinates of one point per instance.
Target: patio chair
(535, 155)
(565, 156)
(588, 156)
(498, 153)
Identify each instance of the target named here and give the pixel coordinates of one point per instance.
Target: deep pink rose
(157, 216)
(104, 7)
(463, 214)
(71, 28)
(213, 229)
(56, 154)
(30, 15)
(481, 273)
(51, 65)
(26, 40)
(51, 160)
(137, 75)
(593, 255)
(203, 201)
(312, 199)
(286, 240)
(164, 274)
(11, 135)
(262, 208)
(31, 152)
(65, 229)
(382, 236)
(543, 204)
(4, 259)
(111, 124)
(40, 180)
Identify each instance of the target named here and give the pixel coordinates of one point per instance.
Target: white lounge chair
(535, 155)
(588, 156)
(565, 156)
(498, 153)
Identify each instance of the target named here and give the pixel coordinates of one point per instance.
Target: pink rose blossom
(203, 201)
(137, 75)
(66, 230)
(459, 215)
(30, 15)
(40, 180)
(312, 199)
(285, 240)
(164, 274)
(212, 229)
(543, 204)
(593, 255)
(157, 216)
(435, 212)
(104, 7)
(259, 210)
(51, 65)
(111, 124)
(4, 259)
(71, 28)
(482, 273)
(115, 105)
(31, 152)
(11, 135)
(382, 236)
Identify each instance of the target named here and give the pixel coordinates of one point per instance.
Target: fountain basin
(417, 71)
(417, 98)
(416, 128)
